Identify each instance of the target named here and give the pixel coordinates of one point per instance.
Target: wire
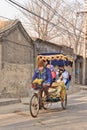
(5, 18)
(53, 10)
(18, 8)
(15, 3)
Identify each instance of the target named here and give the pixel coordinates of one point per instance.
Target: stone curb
(4, 102)
(83, 87)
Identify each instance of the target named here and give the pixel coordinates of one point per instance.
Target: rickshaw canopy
(56, 59)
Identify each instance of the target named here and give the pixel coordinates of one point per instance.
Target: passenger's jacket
(45, 75)
(64, 74)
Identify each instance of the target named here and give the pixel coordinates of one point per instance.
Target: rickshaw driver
(42, 77)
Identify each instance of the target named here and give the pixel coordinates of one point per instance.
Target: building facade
(79, 70)
(16, 60)
(18, 54)
(41, 46)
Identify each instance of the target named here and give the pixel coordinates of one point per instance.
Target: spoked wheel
(34, 105)
(47, 105)
(64, 102)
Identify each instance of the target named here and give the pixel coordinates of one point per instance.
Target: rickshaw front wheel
(34, 105)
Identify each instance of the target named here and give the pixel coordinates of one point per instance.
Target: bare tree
(67, 27)
(75, 24)
(41, 28)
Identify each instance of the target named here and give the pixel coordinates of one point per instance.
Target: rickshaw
(55, 59)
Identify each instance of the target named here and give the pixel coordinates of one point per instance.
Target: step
(8, 101)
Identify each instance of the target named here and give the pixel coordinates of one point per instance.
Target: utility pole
(85, 43)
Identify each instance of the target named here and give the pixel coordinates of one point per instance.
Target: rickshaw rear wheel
(47, 105)
(64, 102)
(34, 105)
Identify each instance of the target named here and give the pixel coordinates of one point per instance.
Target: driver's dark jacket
(45, 75)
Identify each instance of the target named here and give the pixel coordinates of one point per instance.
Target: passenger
(60, 78)
(65, 75)
(42, 77)
(68, 82)
(60, 86)
(53, 72)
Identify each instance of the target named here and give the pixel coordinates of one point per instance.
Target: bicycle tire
(34, 105)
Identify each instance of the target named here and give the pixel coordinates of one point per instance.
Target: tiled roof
(7, 26)
(3, 24)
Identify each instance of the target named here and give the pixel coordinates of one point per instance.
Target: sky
(8, 11)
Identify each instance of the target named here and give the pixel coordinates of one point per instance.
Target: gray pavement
(73, 118)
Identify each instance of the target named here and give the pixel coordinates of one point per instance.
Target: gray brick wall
(16, 49)
(16, 61)
(15, 80)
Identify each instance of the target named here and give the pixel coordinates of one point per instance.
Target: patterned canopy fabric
(56, 59)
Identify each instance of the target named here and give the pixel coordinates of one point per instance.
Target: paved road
(17, 117)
